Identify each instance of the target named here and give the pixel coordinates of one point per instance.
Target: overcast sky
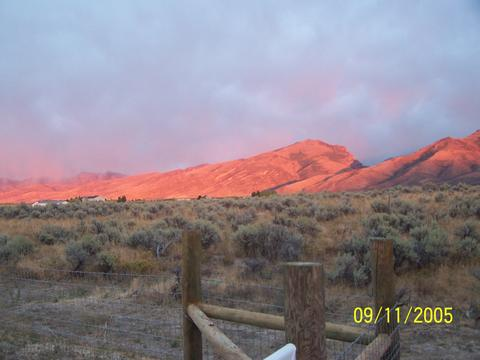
(140, 86)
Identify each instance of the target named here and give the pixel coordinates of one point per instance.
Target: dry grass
(451, 281)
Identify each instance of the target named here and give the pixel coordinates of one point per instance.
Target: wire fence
(270, 299)
(61, 314)
(257, 342)
(386, 346)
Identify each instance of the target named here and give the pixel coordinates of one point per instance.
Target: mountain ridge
(309, 165)
(446, 160)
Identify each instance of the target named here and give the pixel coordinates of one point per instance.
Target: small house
(93, 198)
(42, 203)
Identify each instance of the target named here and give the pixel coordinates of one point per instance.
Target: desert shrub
(148, 216)
(177, 221)
(135, 211)
(76, 255)
(227, 203)
(305, 225)
(461, 187)
(293, 212)
(164, 238)
(91, 244)
(467, 247)
(326, 213)
(287, 202)
(346, 207)
(439, 197)
(386, 225)
(209, 233)
(308, 210)
(361, 275)
(20, 245)
(430, 245)
(140, 238)
(97, 227)
(468, 229)
(348, 268)
(430, 187)
(114, 235)
(253, 266)
(4, 254)
(244, 217)
(12, 249)
(80, 214)
(353, 263)
(212, 216)
(157, 239)
(266, 204)
(380, 207)
(403, 253)
(106, 262)
(269, 241)
(283, 220)
(406, 208)
(154, 209)
(109, 231)
(359, 247)
(53, 234)
(468, 243)
(465, 207)
(380, 225)
(3, 239)
(405, 223)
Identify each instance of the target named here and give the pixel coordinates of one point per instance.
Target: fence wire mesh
(385, 344)
(57, 314)
(269, 299)
(256, 342)
(61, 314)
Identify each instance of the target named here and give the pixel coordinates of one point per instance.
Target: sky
(141, 86)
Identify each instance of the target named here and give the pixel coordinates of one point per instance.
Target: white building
(49, 202)
(94, 198)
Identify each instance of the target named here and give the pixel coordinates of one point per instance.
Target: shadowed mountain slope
(447, 160)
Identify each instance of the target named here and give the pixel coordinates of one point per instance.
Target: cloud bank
(139, 86)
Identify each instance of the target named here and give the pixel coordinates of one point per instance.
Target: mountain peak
(314, 146)
(231, 178)
(307, 165)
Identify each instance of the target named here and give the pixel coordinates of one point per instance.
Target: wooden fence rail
(304, 320)
(276, 322)
(219, 340)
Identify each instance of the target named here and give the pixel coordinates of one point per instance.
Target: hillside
(272, 169)
(447, 160)
(309, 165)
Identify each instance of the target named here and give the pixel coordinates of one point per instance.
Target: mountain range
(309, 165)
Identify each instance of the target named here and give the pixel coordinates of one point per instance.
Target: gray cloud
(136, 86)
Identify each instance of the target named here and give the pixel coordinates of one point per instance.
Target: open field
(436, 233)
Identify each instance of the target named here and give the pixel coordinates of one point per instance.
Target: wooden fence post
(383, 279)
(191, 293)
(305, 309)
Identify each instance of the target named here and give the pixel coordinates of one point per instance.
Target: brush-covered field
(435, 229)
